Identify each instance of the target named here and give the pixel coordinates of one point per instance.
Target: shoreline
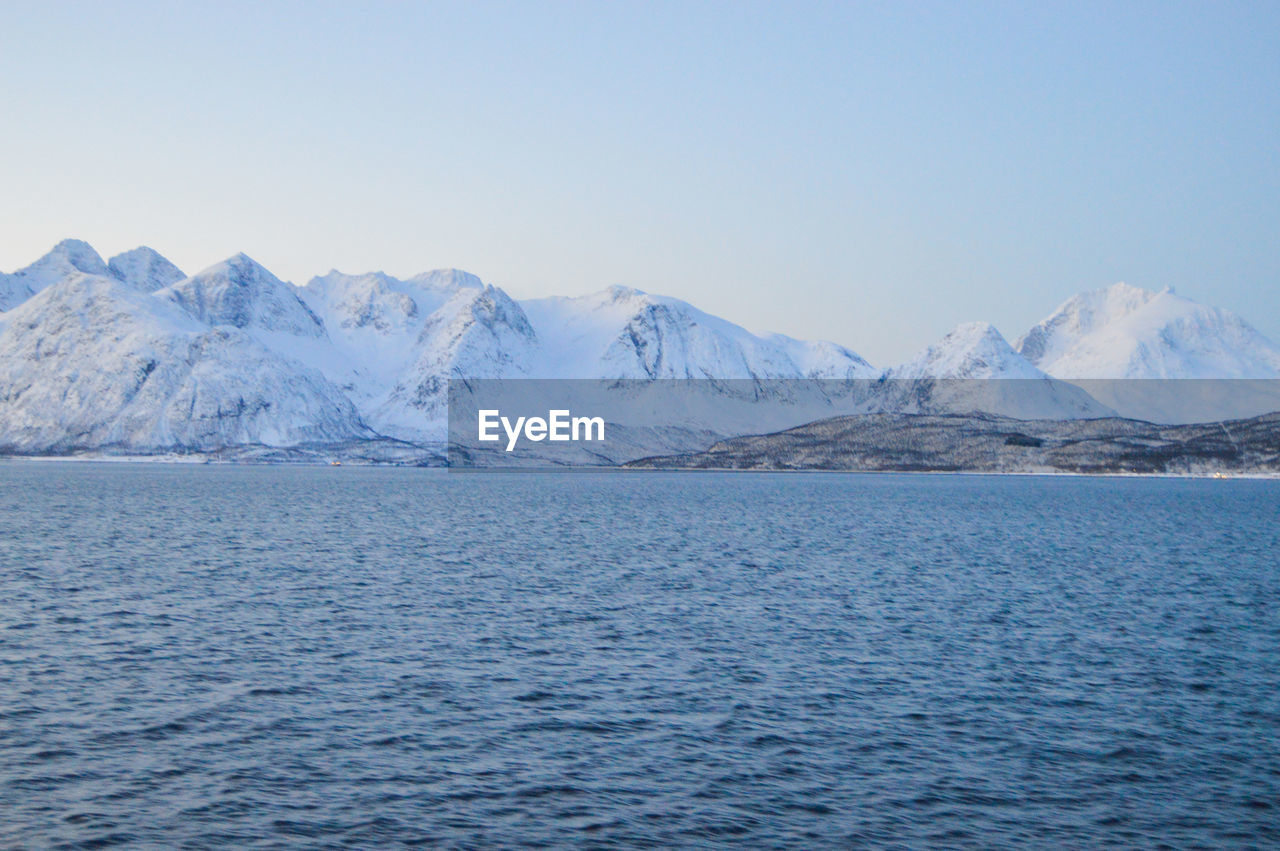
(195, 460)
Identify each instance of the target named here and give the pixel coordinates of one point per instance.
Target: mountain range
(133, 355)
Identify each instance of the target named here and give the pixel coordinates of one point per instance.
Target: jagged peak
(491, 298)
(239, 269)
(145, 268)
(1122, 287)
(968, 340)
(240, 260)
(74, 246)
(632, 299)
(243, 293)
(142, 251)
(471, 314)
(338, 274)
(973, 333)
(970, 350)
(76, 253)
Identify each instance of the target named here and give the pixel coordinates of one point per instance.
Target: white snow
(67, 258)
(241, 293)
(92, 362)
(134, 354)
(625, 333)
(144, 269)
(1129, 332)
(954, 376)
(971, 350)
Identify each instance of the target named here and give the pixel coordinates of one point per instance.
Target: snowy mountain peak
(92, 362)
(144, 269)
(1129, 332)
(241, 292)
(975, 333)
(67, 258)
(477, 333)
(619, 292)
(374, 301)
(1122, 291)
(1083, 314)
(334, 280)
(623, 332)
(492, 307)
(76, 253)
(971, 350)
(976, 352)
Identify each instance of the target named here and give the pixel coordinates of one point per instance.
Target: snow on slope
(971, 350)
(376, 320)
(67, 258)
(393, 344)
(476, 333)
(823, 359)
(1129, 332)
(255, 359)
(625, 333)
(141, 268)
(401, 340)
(92, 362)
(974, 368)
(241, 293)
(144, 269)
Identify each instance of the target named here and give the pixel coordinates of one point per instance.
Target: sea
(208, 656)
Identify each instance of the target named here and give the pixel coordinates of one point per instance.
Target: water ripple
(279, 657)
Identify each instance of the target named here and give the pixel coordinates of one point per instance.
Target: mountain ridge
(371, 353)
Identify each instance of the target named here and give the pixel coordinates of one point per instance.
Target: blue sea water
(328, 657)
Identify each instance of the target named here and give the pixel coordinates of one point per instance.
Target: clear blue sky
(871, 173)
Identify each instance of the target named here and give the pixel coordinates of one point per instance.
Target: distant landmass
(132, 356)
(984, 443)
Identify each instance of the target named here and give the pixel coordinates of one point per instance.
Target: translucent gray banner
(1184, 426)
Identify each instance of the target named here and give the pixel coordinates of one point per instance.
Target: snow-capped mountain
(625, 333)
(971, 350)
(974, 368)
(141, 268)
(92, 362)
(347, 350)
(402, 340)
(144, 269)
(241, 293)
(132, 354)
(1098, 340)
(476, 333)
(67, 258)
(1129, 332)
